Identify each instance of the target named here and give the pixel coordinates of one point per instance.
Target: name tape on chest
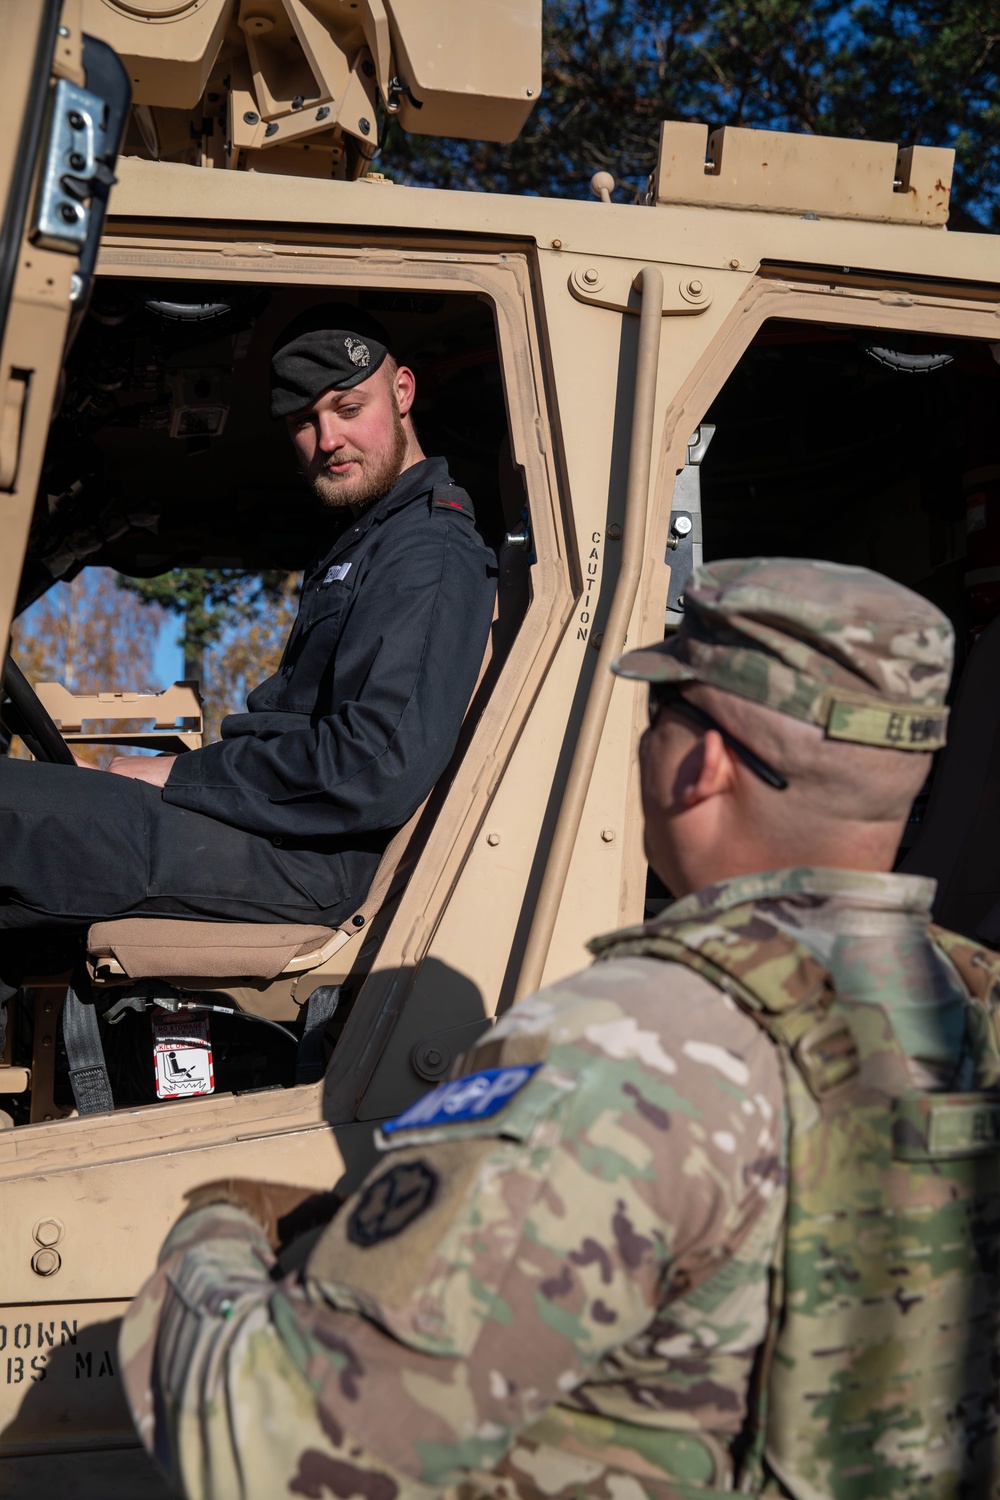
(475, 1097)
(337, 573)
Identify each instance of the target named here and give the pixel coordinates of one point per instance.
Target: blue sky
(168, 659)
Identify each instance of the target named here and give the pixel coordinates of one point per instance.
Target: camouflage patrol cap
(864, 658)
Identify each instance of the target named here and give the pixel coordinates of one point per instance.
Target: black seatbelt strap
(88, 1073)
(311, 1062)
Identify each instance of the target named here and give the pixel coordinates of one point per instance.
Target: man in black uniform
(284, 819)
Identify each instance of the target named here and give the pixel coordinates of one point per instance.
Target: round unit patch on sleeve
(392, 1202)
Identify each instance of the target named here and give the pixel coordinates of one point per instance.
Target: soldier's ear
(708, 771)
(405, 388)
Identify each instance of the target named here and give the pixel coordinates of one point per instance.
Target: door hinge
(74, 164)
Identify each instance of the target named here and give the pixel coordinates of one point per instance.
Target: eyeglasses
(671, 695)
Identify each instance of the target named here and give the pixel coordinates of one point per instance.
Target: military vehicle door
(63, 102)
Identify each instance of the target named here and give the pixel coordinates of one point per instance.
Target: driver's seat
(221, 955)
(206, 955)
(155, 960)
(218, 956)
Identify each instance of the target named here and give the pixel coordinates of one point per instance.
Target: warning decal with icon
(182, 1057)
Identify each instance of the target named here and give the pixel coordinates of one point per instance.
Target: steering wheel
(22, 712)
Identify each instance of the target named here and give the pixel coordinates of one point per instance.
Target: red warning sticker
(182, 1057)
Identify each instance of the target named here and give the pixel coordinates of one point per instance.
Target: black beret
(330, 348)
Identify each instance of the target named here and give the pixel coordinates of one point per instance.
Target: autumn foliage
(94, 636)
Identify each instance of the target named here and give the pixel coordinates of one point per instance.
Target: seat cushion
(188, 952)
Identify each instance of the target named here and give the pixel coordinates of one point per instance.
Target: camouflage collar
(868, 888)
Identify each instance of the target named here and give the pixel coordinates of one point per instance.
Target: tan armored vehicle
(782, 350)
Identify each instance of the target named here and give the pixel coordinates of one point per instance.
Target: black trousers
(79, 846)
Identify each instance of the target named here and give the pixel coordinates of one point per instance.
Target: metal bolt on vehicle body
(48, 1232)
(694, 291)
(681, 527)
(431, 1059)
(587, 279)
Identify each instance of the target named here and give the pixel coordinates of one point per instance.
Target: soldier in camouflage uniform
(720, 1212)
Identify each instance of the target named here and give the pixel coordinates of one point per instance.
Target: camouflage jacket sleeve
(489, 1269)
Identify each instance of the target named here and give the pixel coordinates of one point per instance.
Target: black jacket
(345, 741)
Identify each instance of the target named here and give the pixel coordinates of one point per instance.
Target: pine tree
(210, 602)
(915, 72)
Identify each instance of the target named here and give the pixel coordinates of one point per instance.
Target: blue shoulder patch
(477, 1096)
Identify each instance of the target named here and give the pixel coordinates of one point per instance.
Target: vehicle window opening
(162, 457)
(872, 448)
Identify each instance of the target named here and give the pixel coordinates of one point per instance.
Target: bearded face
(351, 445)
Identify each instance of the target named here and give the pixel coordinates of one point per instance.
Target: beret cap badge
(358, 353)
(334, 356)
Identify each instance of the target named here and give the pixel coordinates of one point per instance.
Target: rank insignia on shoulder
(451, 497)
(477, 1096)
